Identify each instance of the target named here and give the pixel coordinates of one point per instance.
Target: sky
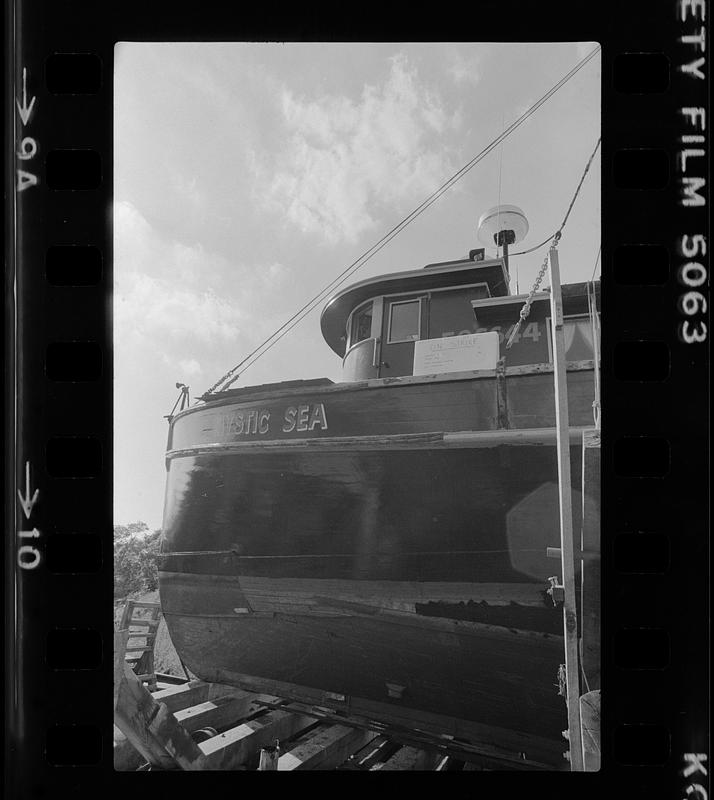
(247, 176)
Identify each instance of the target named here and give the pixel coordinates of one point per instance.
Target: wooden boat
(379, 545)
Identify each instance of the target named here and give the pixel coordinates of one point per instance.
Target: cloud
(183, 302)
(346, 161)
(147, 308)
(464, 69)
(188, 367)
(166, 288)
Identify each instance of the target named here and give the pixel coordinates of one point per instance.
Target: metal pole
(567, 555)
(596, 353)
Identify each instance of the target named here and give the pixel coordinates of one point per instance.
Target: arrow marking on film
(24, 109)
(28, 502)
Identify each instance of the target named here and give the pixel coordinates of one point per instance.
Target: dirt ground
(166, 659)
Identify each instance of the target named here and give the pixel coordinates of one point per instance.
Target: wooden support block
(172, 680)
(149, 726)
(133, 713)
(152, 606)
(240, 744)
(328, 747)
(216, 713)
(120, 640)
(412, 759)
(126, 757)
(262, 701)
(178, 697)
(176, 741)
(150, 623)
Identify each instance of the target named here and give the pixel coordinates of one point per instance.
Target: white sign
(456, 353)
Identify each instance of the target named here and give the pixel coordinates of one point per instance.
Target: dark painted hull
(504, 682)
(404, 572)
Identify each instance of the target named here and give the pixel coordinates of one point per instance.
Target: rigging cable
(597, 261)
(230, 377)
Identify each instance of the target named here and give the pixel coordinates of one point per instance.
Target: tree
(136, 552)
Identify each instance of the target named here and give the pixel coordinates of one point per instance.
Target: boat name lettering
(301, 418)
(256, 421)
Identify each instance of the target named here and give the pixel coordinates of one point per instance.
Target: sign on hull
(456, 353)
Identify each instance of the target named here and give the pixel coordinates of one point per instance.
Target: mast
(503, 226)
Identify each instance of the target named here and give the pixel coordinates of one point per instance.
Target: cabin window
(404, 321)
(361, 325)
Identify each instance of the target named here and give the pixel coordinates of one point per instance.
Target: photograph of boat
(392, 542)
(385, 538)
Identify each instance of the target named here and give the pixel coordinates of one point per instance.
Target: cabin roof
(449, 273)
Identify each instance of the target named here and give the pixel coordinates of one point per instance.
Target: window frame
(392, 304)
(351, 319)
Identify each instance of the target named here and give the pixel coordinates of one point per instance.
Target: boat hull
(405, 574)
(406, 668)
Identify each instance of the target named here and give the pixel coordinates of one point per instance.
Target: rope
(597, 261)
(526, 310)
(358, 263)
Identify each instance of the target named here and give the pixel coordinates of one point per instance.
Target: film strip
(655, 380)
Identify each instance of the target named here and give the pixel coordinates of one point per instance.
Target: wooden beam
(491, 757)
(328, 747)
(215, 713)
(412, 759)
(120, 639)
(146, 604)
(171, 680)
(236, 746)
(126, 757)
(134, 714)
(590, 633)
(178, 697)
(496, 744)
(567, 546)
(149, 726)
(150, 623)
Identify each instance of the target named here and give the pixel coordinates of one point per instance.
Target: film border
(50, 507)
